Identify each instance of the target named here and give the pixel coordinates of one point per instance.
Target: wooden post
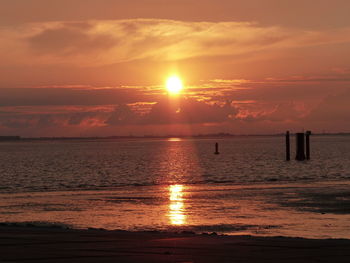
(307, 140)
(287, 146)
(300, 144)
(217, 148)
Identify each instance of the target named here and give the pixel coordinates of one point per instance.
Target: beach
(30, 244)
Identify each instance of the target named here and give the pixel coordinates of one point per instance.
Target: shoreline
(44, 244)
(16, 138)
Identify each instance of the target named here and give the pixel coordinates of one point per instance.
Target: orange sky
(98, 67)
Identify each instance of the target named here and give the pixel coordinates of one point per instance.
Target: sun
(174, 85)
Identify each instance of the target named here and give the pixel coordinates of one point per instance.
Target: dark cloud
(279, 113)
(70, 38)
(68, 96)
(51, 118)
(17, 123)
(284, 112)
(183, 111)
(332, 108)
(167, 111)
(47, 120)
(121, 115)
(79, 117)
(189, 111)
(272, 93)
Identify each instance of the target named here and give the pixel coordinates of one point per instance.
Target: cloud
(332, 108)
(70, 39)
(17, 123)
(43, 117)
(121, 115)
(183, 111)
(102, 42)
(285, 112)
(189, 111)
(327, 13)
(238, 104)
(66, 95)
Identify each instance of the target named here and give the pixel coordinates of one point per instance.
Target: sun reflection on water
(174, 139)
(176, 205)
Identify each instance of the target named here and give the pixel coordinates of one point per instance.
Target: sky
(99, 67)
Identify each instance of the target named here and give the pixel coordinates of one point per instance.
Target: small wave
(197, 229)
(206, 229)
(36, 224)
(213, 181)
(224, 228)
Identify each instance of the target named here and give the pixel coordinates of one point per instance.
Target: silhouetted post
(300, 153)
(217, 148)
(307, 141)
(287, 146)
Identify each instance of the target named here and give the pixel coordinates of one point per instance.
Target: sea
(179, 184)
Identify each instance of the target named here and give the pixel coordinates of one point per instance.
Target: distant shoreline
(198, 136)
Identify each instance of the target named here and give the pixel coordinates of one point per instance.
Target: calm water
(176, 185)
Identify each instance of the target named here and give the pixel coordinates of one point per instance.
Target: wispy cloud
(106, 42)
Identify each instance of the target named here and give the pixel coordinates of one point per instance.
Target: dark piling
(287, 146)
(300, 147)
(307, 140)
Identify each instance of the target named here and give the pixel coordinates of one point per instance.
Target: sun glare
(174, 85)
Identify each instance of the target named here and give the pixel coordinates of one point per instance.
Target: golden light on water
(174, 85)
(176, 205)
(174, 139)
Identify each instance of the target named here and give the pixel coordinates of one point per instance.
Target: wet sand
(33, 244)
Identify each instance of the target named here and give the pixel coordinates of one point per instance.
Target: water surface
(176, 185)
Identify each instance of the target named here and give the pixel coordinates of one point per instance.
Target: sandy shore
(25, 244)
